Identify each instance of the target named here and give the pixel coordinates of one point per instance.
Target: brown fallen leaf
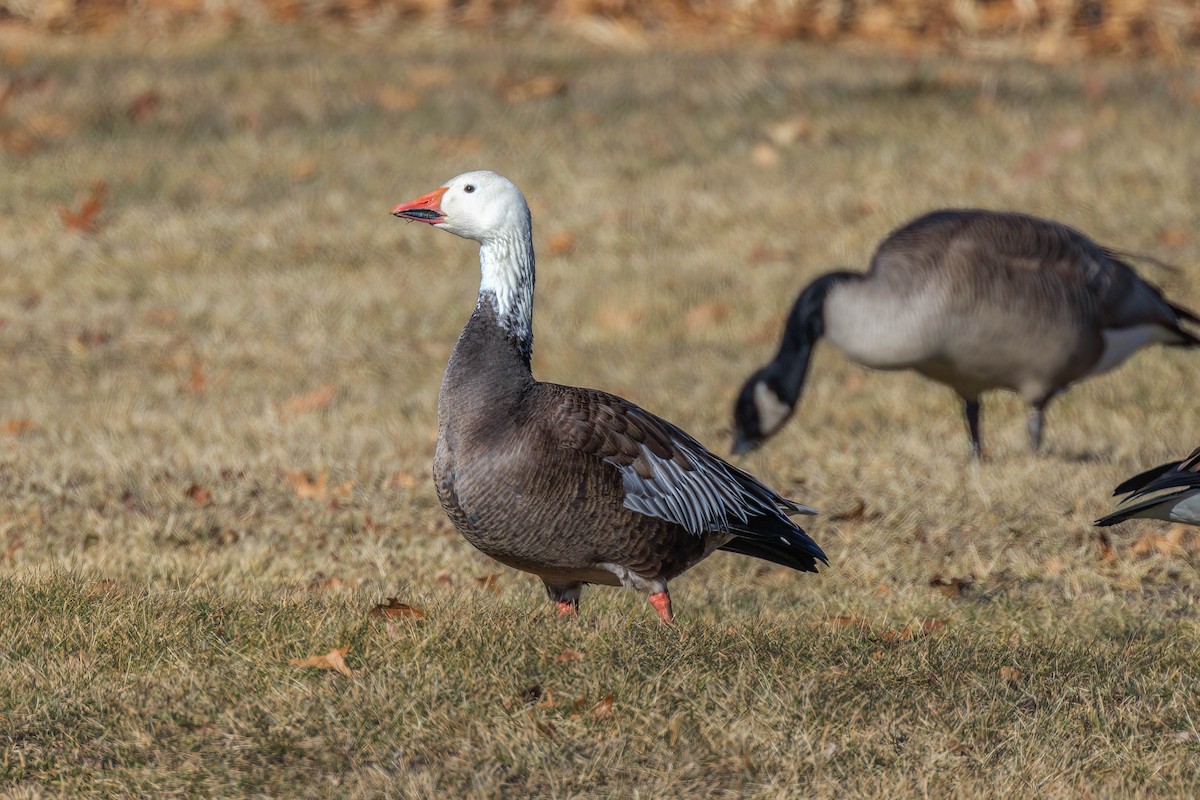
(603, 709)
(334, 660)
(18, 141)
(705, 315)
(1174, 237)
(1010, 674)
(144, 107)
(309, 401)
(404, 480)
(326, 583)
(394, 98)
(84, 220)
(568, 656)
(909, 632)
(1171, 544)
(763, 253)
(15, 427)
(560, 243)
(14, 544)
(51, 125)
(952, 587)
(303, 169)
(393, 609)
(195, 382)
(199, 495)
(309, 488)
(538, 87)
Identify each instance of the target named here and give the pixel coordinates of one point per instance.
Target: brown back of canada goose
(574, 485)
(975, 300)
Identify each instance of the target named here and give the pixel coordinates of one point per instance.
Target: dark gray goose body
(1170, 492)
(574, 485)
(976, 300)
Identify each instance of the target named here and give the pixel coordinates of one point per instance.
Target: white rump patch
(1121, 343)
(771, 410)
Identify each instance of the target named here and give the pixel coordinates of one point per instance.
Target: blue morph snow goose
(976, 300)
(576, 486)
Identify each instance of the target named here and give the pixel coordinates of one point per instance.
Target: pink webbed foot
(662, 604)
(565, 598)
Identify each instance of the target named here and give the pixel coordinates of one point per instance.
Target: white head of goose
(574, 485)
(1170, 492)
(976, 300)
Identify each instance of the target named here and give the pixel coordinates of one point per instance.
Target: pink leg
(567, 609)
(662, 604)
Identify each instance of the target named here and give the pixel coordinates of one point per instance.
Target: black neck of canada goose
(805, 327)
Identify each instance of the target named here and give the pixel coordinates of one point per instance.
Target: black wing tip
(802, 559)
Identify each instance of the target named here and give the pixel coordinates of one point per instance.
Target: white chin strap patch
(771, 410)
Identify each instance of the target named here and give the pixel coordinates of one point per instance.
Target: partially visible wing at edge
(1145, 487)
(1164, 476)
(1158, 502)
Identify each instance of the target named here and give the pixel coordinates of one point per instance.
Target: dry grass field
(218, 389)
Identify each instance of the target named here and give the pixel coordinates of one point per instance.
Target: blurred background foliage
(1046, 30)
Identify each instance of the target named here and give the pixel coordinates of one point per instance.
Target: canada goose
(576, 486)
(1179, 506)
(976, 300)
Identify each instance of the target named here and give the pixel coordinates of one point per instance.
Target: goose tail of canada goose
(769, 396)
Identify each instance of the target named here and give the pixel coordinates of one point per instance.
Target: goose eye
(469, 188)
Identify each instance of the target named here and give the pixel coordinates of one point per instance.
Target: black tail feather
(778, 540)
(775, 552)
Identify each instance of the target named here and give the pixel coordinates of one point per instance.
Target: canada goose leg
(1034, 425)
(662, 604)
(971, 410)
(566, 598)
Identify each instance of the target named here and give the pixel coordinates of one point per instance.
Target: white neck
(507, 276)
